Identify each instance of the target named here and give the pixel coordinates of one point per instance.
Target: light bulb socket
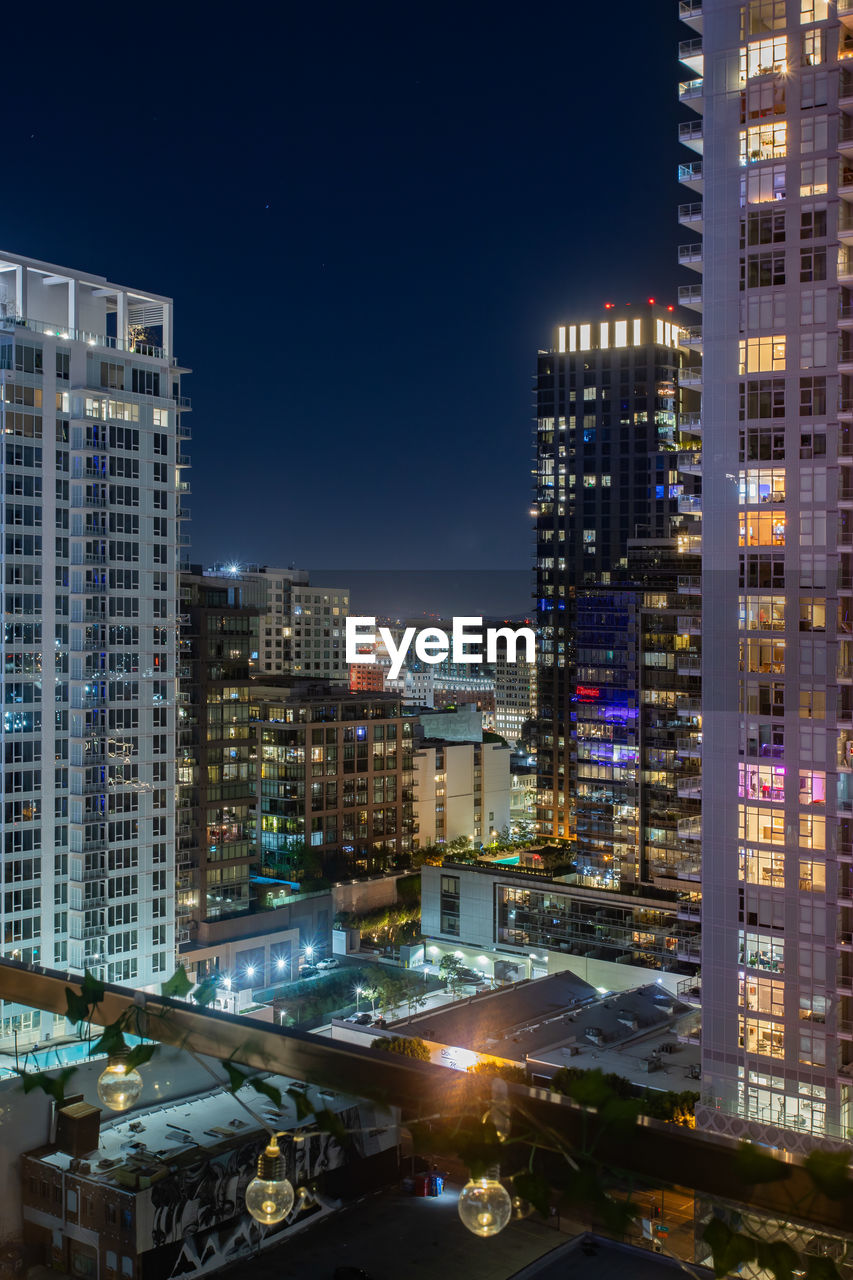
(271, 1164)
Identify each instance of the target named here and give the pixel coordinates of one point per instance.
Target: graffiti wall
(194, 1221)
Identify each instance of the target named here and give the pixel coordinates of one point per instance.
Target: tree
(408, 1046)
(450, 969)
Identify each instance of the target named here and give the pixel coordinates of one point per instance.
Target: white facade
(303, 631)
(461, 789)
(773, 95)
(90, 408)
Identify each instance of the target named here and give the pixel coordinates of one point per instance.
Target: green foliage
(777, 1257)
(819, 1267)
(535, 1188)
(178, 985)
(729, 1249)
(237, 1077)
(140, 1054)
(299, 1098)
(596, 1089)
(268, 1090)
(504, 1070)
(395, 922)
(111, 1042)
(829, 1172)
(332, 1124)
(53, 1086)
(754, 1166)
(406, 1046)
(206, 991)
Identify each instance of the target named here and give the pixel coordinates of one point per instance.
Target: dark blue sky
(370, 217)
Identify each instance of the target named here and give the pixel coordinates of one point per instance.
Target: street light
(359, 991)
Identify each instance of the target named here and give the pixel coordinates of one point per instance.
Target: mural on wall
(199, 1220)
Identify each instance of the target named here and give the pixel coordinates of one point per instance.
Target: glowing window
(586, 339)
(620, 333)
(762, 529)
(766, 141)
(757, 1035)
(762, 355)
(763, 995)
(764, 57)
(638, 333)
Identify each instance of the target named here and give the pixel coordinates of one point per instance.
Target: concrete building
(460, 789)
(302, 630)
(91, 414)
(160, 1193)
(772, 97)
(335, 780)
(514, 921)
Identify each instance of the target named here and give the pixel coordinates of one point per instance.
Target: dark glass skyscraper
(607, 398)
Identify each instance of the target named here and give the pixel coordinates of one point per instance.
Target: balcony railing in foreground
(612, 1149)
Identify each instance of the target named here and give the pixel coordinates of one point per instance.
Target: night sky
(369, 217)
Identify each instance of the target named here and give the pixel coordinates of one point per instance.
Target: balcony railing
(690, 212)
(690, 131)
(690, 295)
(82, 335)
(691, 89)
(691, 172)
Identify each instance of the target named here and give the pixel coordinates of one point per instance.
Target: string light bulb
(269, 1196)
(485, 1206)
(119, 1086)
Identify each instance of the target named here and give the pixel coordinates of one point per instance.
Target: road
(397, 1237)
(400, 1015)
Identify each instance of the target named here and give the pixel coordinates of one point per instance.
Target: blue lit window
(361, 732)
(659, 488)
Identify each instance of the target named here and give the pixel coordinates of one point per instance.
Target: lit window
(764, 57)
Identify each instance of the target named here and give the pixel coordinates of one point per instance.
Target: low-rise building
(525, 922)
(160, 1193)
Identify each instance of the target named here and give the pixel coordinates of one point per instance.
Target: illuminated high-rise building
(606, 471)
(772, 94)
(90, 411)
(618, 724)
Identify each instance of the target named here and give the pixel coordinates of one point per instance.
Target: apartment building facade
(515, 695)
(303, 628)
(460, 789)
(335, 780)
(771, 96)
(92, 420)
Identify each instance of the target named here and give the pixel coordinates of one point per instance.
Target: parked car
(331, 963)
(362, 1019)
(308, 971)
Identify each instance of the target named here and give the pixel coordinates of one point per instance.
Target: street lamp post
(359, 991)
